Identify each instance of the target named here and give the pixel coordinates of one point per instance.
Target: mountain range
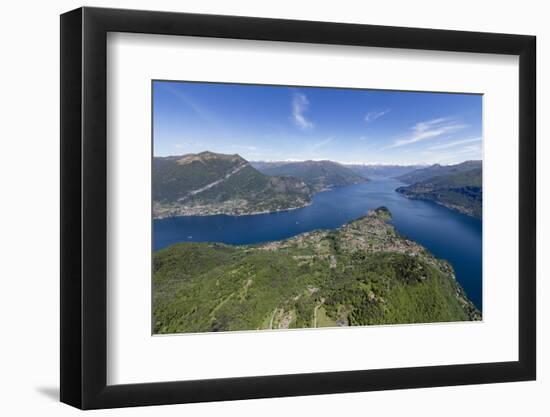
(212, 183)
(437, 170)
(382, 171)
(457, 187)
(319, 175)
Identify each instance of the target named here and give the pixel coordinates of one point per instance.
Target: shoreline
(456, 209)
(236, 213)
(232, 213)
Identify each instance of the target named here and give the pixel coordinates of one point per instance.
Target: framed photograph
(257, 208)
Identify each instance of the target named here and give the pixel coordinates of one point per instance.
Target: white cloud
(185, 144)
(461, 150)
(423, 126)
(300, 104)
(453, 144)
(373, 115)
(189, 102)
(470, 149)
(428, 130)
(321, 143)
(245, 147)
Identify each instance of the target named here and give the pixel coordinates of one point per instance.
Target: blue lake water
(447, 234)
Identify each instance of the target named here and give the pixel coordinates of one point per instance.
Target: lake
(447, 234)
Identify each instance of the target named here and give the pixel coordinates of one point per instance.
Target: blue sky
(274, 123)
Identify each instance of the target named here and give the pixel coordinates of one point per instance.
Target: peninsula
(362, 273)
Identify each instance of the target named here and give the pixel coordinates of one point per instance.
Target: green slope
(458, 187)
(363, 273)
(211, 183)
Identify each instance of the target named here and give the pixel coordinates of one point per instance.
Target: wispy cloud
(189, 102)
(186, 144)
(453, 144)
(322, 143)
(300, 104)
(428, 130)
(469, 149)
(245, 147)
(454, 152)
(373, 115)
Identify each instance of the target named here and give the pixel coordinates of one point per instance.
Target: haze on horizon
(279, 123)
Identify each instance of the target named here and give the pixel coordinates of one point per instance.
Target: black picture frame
(84, 207)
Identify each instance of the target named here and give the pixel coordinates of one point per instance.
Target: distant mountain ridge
(211, 183)
(382, 171)
(319, 175)
(458, 187)
(438, 170)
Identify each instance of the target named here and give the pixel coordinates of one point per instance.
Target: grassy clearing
(323, 320)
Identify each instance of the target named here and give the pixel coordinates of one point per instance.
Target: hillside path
(213, 184)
